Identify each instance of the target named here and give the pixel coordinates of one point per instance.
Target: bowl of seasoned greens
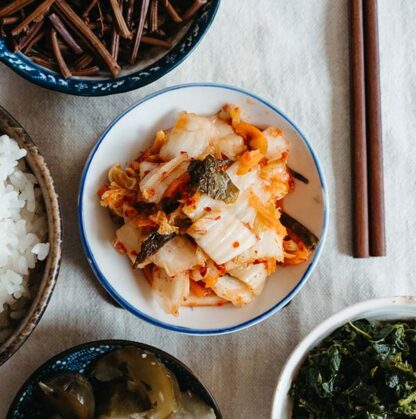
(360, 363)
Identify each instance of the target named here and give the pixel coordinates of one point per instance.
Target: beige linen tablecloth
(295, 54)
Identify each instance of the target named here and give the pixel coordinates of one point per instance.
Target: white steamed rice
(22, 226)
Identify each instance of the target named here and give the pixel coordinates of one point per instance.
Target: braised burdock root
(101, 36)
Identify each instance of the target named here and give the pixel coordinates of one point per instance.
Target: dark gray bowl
(29, 403)
(43, 278)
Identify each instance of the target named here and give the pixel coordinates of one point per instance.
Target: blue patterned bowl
(138, 76)
(29, 403)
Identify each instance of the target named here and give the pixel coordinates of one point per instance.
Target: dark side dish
(363, 370)
(84, 38)
(128, 383)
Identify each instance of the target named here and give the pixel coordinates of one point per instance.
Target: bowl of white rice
(30, 236)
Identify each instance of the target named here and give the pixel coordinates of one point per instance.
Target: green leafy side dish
(209, 176)
(363, 370)
(151, 244)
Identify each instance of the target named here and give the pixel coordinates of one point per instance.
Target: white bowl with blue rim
(154, 64)
(132, 132)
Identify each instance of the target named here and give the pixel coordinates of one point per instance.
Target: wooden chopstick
(374, 131)
(358, 133)
(366, 134)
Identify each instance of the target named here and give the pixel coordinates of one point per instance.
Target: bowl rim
(323, 330)
(140, 78)
(54, 216)
(122, 342)
(181, 329)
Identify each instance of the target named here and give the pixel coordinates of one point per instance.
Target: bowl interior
(155, 62)
(29, 403)
(43, 277)
(395, 308)
(149, 57)
(131, 133)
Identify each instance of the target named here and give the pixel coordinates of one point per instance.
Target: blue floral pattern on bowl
(49, 79)
(29, 403)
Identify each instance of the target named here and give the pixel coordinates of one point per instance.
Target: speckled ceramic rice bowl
(17, 325)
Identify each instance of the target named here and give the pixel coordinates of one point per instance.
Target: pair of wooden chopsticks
(367, 154)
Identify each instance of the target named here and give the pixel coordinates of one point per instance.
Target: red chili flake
(190, 201)
(208, 209)
(120, 247)
(203, 270)
(217, 218)
(221, 269)
(134, 253)
(279, 204)
(236, 244)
